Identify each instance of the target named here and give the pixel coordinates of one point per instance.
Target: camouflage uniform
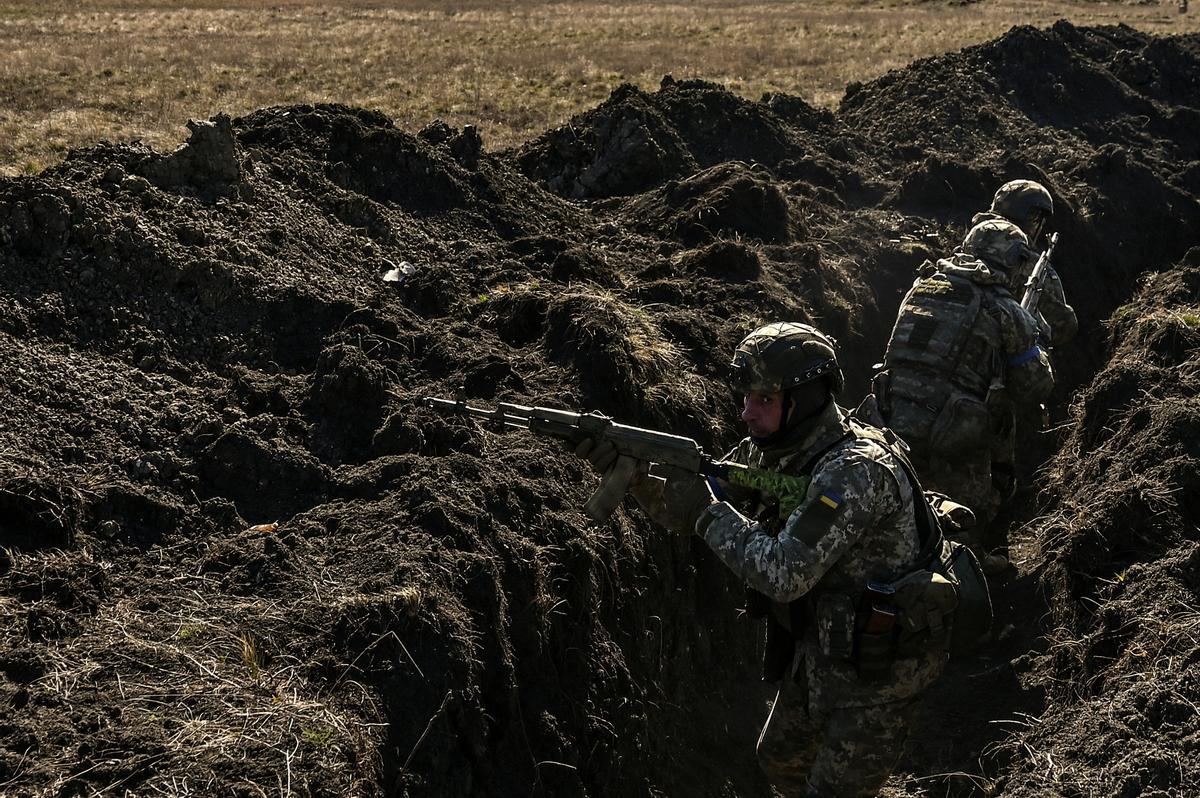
(1059, 324)
(840, 718)
(951, 395)
(829, 733)
(1028, 205)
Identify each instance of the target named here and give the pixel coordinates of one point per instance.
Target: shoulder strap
(929, 531)
(811, 463)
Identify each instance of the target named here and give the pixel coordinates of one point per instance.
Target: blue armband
(1025, 357)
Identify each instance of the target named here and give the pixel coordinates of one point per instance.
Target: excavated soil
(240, 557)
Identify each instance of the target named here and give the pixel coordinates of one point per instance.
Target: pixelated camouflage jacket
(1003, 344)
(857, 524)
(1061, 323)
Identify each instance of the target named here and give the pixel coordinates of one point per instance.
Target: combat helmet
(1025, 203)
(1000, 244)
(783, 355)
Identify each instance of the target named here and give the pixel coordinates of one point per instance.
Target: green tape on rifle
(789, 490)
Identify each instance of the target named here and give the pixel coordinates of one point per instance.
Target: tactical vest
(943, 599)
(937, 333)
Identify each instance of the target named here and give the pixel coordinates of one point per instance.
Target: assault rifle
(1037, 279)
(633, 445)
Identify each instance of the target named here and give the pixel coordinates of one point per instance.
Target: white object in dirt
(398, 274)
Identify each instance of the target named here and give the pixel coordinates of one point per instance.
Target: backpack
(935, 323)
(945, 600)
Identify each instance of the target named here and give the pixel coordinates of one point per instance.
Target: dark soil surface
(239, 556)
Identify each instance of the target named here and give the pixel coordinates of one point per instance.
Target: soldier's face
(762, 412)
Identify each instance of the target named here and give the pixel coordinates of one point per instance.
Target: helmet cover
(1023, 202)
(780, 356)
(998, 243)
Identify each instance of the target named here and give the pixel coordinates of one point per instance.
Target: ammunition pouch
(835, 625)
(927, 602)
(963, 424)
(874, 654)
(856, 636)
(875, 642)
(947, 607)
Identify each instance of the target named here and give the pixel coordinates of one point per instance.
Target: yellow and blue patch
(830, 500)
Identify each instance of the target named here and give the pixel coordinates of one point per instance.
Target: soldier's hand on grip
(600, 454)
(686, 495)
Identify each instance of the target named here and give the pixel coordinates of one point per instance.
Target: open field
(75, 73)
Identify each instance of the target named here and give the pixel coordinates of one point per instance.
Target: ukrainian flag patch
(830, 500)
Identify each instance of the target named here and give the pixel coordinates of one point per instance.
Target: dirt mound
(1108, 86)
(238, 549)
(224, 501)
(728, 200)
(636, 141)
(1123, 565)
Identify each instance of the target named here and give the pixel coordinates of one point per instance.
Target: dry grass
(72, 73)
(195, 689)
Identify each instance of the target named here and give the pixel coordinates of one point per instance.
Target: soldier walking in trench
(963, 354)
(1028, 205)
(849, 677)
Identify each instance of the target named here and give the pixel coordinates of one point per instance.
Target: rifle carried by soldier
(1037, 279)
(634, 446)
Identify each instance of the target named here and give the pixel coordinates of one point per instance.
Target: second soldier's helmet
(780, 356)
(1025, 203)
(1000, 244)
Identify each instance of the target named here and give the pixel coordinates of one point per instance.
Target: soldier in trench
(1028, 205)
(847, 688)
(963, 355)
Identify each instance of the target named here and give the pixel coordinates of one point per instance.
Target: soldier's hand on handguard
(1045, 335)
(686, 494)
(600, 454)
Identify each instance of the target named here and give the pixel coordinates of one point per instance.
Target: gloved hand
(1045, 335)
(686, 495)
(600, 454)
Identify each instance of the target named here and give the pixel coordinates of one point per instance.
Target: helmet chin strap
(1035, 232)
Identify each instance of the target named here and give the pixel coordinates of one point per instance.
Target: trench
(219, 357)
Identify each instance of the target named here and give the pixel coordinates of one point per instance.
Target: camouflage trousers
(843, 753)
(981, 477)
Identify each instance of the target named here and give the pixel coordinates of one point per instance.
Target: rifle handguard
(612, 490)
